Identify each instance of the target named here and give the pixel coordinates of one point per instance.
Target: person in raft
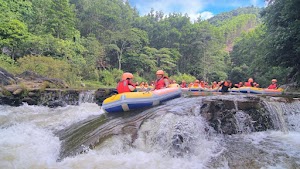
(225, 86)
(161, 80)
(126, 84)
(183, 84)
(273, 85)
(249, 83)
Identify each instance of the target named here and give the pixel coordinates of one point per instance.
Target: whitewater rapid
(27, 140)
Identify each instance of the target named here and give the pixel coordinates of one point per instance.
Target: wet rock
(10, 100)
(279, 99)
(248, 104)
(6, 78)
(30, 101)
(222, 115)
(102, 94)
(56, 103)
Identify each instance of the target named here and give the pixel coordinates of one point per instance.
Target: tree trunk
(120, 59)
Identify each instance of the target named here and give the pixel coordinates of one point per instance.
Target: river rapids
(174, 135)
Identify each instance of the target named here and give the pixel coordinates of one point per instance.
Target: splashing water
(45, 117)
(178, 137)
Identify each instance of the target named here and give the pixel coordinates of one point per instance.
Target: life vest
(183, 85)
(196, 85)
(248, 84)
(123, 86)
(202, 84)
(239, 85)
(214, 86)
(160, 83)
(273, 86)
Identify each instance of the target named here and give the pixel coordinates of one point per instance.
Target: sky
(194, 8)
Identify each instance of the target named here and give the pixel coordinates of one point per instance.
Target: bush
(49, 67)
(9, 64)
(180, 77)
(90, 84)
(108, 78)
(139, 79)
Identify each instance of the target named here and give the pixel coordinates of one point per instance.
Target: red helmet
(250, 80)
(127, 75)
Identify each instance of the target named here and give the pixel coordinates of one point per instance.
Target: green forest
(95, 41)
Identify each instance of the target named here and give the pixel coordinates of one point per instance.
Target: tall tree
(61, 22)
(127, 41)
(282, 19)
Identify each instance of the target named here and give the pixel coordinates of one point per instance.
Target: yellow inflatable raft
(136, 100)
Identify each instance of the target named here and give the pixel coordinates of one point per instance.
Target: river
(176, 137)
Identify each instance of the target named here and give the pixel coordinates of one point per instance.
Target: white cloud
(190, 7)
(254, 2)
(206, 15)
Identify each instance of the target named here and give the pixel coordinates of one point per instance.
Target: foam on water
(154, 147)
(176, 139)
(27, 146)
(51, 118)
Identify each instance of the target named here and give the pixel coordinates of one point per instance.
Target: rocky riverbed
(35, 89)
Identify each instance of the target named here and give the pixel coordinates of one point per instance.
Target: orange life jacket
(248, 84)
(202, 85)
(160, 83)
(123, 86)
(273, 86)
(196, 85)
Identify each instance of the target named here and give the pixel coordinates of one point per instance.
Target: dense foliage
(96, 40)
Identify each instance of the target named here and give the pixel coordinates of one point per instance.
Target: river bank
(33, 89)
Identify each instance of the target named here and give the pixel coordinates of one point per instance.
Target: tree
(61, 22)
(12, 34)
(282, 19)
(130, 40)
(38, 19)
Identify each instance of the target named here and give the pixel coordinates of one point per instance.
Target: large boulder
(6, 78)
(34, 80)
(236, 116)
(101, 94)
